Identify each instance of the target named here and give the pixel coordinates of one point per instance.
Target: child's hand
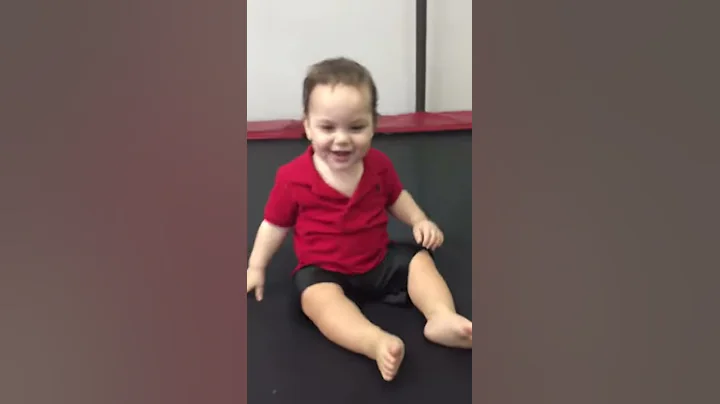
(428, 235)
(256, 282)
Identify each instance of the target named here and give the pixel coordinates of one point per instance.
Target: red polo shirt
(332, 231)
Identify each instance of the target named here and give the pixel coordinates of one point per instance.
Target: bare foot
(451, 330)
(389, 355)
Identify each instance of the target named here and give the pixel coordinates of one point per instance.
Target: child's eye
(357, 128)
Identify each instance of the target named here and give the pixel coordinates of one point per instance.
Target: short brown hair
(343, 71)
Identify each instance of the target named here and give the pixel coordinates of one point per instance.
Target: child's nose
(342, 137)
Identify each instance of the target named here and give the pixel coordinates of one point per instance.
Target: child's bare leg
(342, 322)
(431, 295)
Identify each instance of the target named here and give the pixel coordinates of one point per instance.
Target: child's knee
(422, 257)
(315, 298)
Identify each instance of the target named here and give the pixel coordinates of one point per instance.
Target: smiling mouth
(341, 156)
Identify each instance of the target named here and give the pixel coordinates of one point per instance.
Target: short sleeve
(281, 207)
(392, 184)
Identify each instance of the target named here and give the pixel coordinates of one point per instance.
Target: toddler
(336, 197)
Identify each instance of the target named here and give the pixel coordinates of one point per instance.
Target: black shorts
(385, 283)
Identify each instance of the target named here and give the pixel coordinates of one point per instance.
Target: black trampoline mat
(290, 362)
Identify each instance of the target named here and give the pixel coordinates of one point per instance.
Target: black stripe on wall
(420, 54)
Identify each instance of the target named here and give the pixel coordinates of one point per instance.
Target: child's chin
(341, 166)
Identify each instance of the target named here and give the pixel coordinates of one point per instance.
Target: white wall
(449, 56)
(286, 36)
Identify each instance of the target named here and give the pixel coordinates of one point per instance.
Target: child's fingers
(259, 293)
(429, 238)
(417, 233)
(422, 239)
(440, 239)
(436, 240)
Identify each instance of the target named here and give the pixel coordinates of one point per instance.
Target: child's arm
(267, 241)
(279, 217)
(426, 233)
(406, 210)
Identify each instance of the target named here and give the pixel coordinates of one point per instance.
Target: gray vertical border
(242, 235)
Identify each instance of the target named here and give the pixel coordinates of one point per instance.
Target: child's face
(339, 125)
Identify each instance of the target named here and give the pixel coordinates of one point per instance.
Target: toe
(388, 369)
(389, 358)
(395, 349)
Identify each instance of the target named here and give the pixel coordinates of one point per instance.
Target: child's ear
(306, 127)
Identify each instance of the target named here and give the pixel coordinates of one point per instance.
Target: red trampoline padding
(406, 123)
